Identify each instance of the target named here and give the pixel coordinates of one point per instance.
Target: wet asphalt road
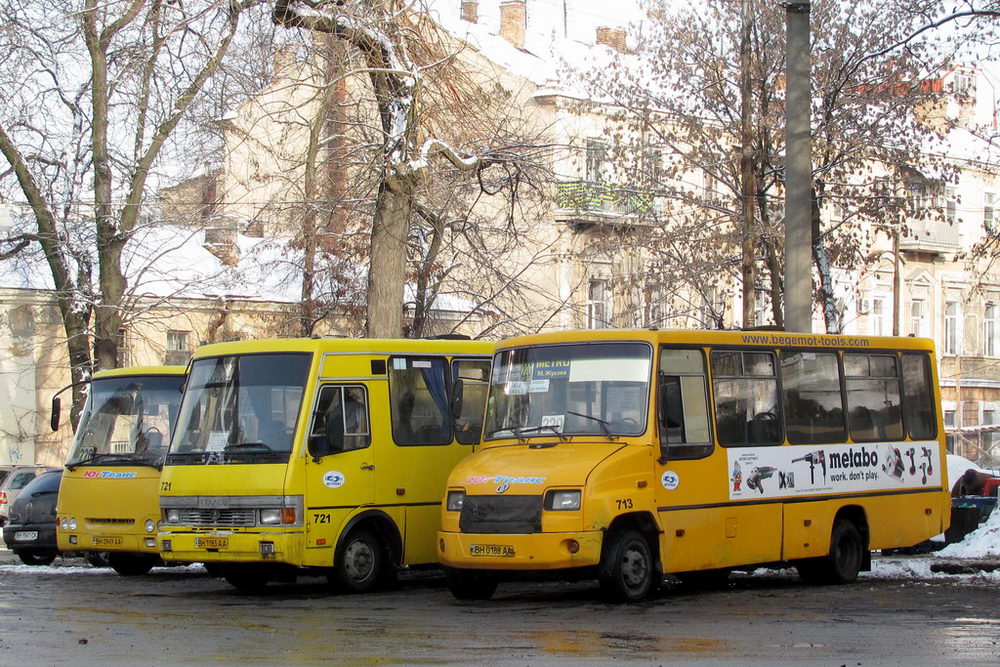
(71, 613)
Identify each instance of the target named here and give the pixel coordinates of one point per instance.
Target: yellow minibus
(325, 456)
(627, 455)
(109, 494)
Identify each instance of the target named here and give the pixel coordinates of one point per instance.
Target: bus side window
(683, 405)
(419, 401)
(810, 384)
(341, 418)
(474, 375)
(918, 397)
(873, 396)
(746, 398)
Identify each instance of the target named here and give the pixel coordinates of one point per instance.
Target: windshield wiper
(248, 445)
(520, 431)
(603, 424)
(129, 458)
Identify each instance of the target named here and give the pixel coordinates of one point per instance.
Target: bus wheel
(842, 564)
(36, 557)
(97, 558)
(704, 579)
(627, 572)
(247, 577)
(361, 561)
(470, 584)
(131, 565)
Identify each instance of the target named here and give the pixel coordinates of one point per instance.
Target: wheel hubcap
(634, 568)
(359, 559)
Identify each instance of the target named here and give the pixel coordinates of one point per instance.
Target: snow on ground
(984, 542)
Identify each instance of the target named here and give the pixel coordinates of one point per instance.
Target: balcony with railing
(931, 235)
(597, 201)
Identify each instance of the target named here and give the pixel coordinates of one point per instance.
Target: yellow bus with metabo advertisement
(108, 498)
(627, 455)
(326, 456)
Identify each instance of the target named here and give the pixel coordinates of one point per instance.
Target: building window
(598, 304)
(124, 353)
(178, 348)
(712, 191)
(917, 196)
(951, 328)
(964, 84)
(651, 159)
(917, 311)
(988, 211)
(990, 330)
(951, 205)
(878, 316)
(597, 157)
(654, 310)
(949, 423)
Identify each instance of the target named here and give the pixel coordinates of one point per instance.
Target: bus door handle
(368, 466)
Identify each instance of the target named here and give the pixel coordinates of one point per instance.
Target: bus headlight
(150, 525)
(455, 501)
(67, 524)
(563, 500)
(270, 517)
(173, 516)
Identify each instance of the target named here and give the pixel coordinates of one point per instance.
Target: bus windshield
(583, 389)
(240, 409)
(127, 420)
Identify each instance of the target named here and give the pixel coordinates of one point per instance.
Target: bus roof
(140, 370)
(355, 345)
(753, 338)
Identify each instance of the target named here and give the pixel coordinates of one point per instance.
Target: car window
(20, 480)
(45, 483)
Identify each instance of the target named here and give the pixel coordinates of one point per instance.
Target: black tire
(842, 564)
(627, 572)
(361, 563)
(247, 577)
(214, 570)
(97, 558)
(705, 579)
(130, 564)
(36, 557)
(470, 584)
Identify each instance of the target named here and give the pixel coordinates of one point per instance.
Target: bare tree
(719, 117)
(100, 93)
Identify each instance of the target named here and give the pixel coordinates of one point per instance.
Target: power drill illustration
(814, 458)
(758, 475)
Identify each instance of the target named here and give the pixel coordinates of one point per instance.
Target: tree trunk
(748, 186)
(826, 296)
(387, 265)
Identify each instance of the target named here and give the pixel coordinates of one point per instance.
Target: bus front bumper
(229, 547)
(82, 540)
(535, 551)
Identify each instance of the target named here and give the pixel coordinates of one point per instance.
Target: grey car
(31, 531)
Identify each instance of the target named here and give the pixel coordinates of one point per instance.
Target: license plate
(102, 541)
(26, 536)
(501, 550)
(211, 542)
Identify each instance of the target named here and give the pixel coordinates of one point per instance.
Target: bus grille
(109, 521)
(218, 517)
(501, 514)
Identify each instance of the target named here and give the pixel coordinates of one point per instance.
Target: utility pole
(748, 185)
(798, 170)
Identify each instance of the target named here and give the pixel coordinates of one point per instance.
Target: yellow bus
(108, 497)
(325, 456)
(627, 455)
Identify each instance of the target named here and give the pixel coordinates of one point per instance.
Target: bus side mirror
(457, 398)
(56, 407)
(319, 446)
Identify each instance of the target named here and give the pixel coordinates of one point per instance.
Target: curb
(965, 567)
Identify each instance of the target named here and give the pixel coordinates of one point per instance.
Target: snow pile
(984, 542)
(957, 466)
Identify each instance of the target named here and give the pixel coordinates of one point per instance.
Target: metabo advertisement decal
(777, 472)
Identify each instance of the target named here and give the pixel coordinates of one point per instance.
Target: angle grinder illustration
(758, 475)
(814, 459)
(894, 466)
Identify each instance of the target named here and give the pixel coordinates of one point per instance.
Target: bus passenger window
(683, 409)
(814, 411)
(746, 398)
(918, 397)
(419, 401)
(873, 397)
(342, 417)
(475, 376)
